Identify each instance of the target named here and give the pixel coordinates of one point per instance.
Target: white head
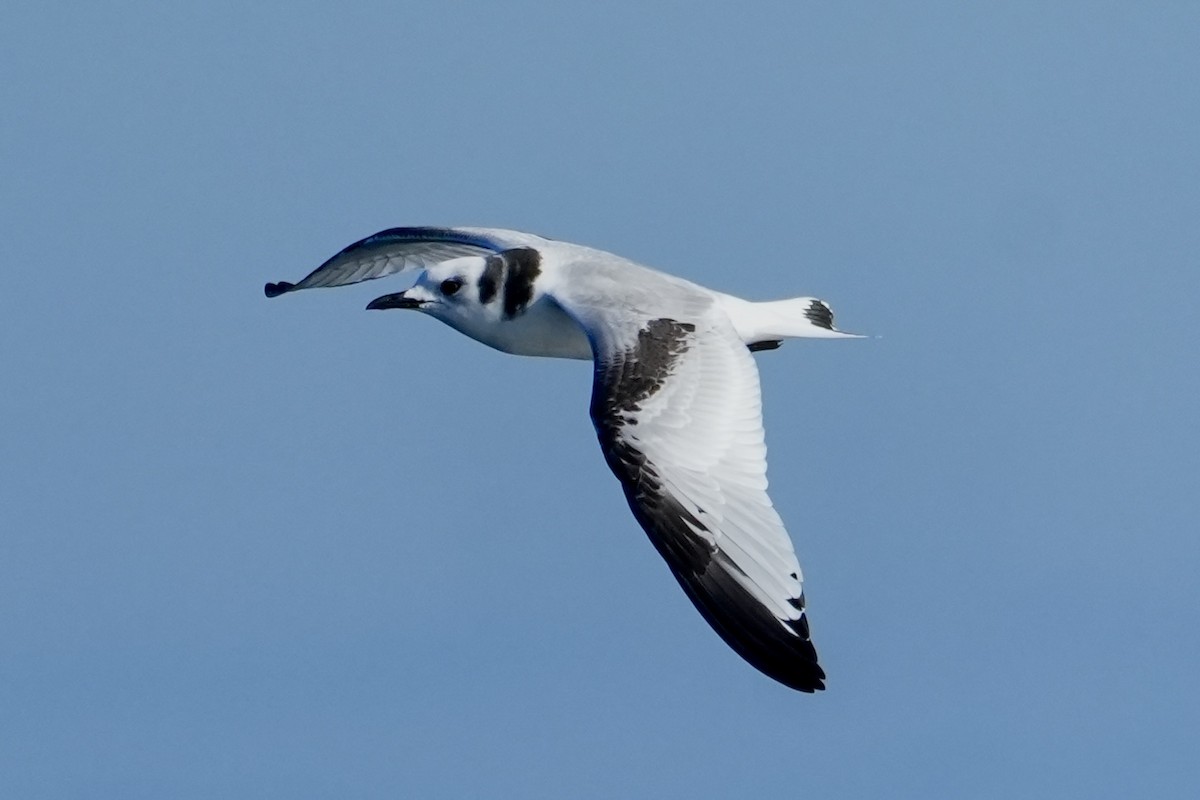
(451, 292)
(487, 298)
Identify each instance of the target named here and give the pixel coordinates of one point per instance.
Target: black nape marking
(522, 266)
(770, 344)
(820, 315)
(489, 281)
(276, 289)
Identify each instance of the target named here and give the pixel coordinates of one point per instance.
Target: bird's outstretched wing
(676, 406)
(401, 250)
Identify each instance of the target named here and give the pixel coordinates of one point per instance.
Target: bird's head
(458, 292)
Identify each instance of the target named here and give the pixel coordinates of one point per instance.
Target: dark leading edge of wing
(391, 251)
(705, 573)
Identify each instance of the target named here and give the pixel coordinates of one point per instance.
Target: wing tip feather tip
(276, 289)
(809, 683)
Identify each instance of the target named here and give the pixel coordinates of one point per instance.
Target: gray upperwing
(674, 511)
(398, 250)
(675, 403)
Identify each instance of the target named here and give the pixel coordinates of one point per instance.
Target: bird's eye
(451, 285)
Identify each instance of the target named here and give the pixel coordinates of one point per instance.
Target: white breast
(543, 329)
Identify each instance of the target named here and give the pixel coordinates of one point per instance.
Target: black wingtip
(276, 289)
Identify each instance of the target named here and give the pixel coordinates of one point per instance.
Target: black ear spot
(450, 286)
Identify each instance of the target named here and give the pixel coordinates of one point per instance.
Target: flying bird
(675, 401)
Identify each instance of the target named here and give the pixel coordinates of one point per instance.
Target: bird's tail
(764, 325)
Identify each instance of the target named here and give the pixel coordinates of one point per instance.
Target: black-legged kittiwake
(675, 401)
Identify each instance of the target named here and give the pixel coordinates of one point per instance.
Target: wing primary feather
(400, 250)
(625, 383)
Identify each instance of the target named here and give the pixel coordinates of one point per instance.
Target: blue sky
(293, 549)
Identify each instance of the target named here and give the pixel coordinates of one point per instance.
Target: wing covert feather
(677, 410)
(398, 250)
